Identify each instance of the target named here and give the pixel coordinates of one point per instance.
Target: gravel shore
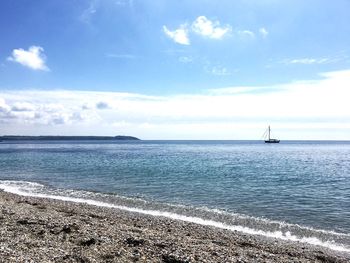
(44, 230)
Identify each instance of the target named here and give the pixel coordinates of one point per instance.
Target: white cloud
(185, 59)
(205, 27)
(179, 35)
(87, 14)
(32, 58)
(86, 107)
(234, 90)
(246, 33)
(311, 109)
(201, 26)
(101, 105)
(263, 32)
(123, 2)
(4, 108)
(22, 106)
(308, 61)
(121, 56)
(220, 71)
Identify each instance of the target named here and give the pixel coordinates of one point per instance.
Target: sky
(160, 69)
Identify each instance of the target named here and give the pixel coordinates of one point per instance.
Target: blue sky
(175, 69)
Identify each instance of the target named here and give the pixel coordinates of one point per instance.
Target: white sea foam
(30, 189)
(269, 221)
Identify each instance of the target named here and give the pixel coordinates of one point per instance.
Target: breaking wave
(198, 215)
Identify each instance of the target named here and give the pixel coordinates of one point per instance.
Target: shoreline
(49, 230)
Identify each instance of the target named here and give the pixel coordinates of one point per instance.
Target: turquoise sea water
(293, 190)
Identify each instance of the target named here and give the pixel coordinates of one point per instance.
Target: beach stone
(172, 259)
(160, 245)
(26, 222)
(88, 241)
(134, 242)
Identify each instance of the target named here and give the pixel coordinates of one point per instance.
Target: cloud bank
(32, 58)
(311, 109)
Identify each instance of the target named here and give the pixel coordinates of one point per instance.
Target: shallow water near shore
(294, 190)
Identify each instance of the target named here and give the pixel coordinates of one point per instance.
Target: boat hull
(272, 141)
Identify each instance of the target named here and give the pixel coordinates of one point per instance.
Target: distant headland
(65, 138)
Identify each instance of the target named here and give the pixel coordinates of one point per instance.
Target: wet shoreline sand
(46, 230)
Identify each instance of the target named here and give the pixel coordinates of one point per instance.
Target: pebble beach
(47, 230)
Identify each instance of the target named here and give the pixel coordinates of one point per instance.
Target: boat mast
(269, 132)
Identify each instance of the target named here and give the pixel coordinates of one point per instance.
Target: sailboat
(269, 140)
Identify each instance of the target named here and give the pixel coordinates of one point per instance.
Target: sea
(294, 190)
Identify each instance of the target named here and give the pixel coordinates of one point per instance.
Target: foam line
(197, 220)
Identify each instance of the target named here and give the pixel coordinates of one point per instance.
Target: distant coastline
(65, 138)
